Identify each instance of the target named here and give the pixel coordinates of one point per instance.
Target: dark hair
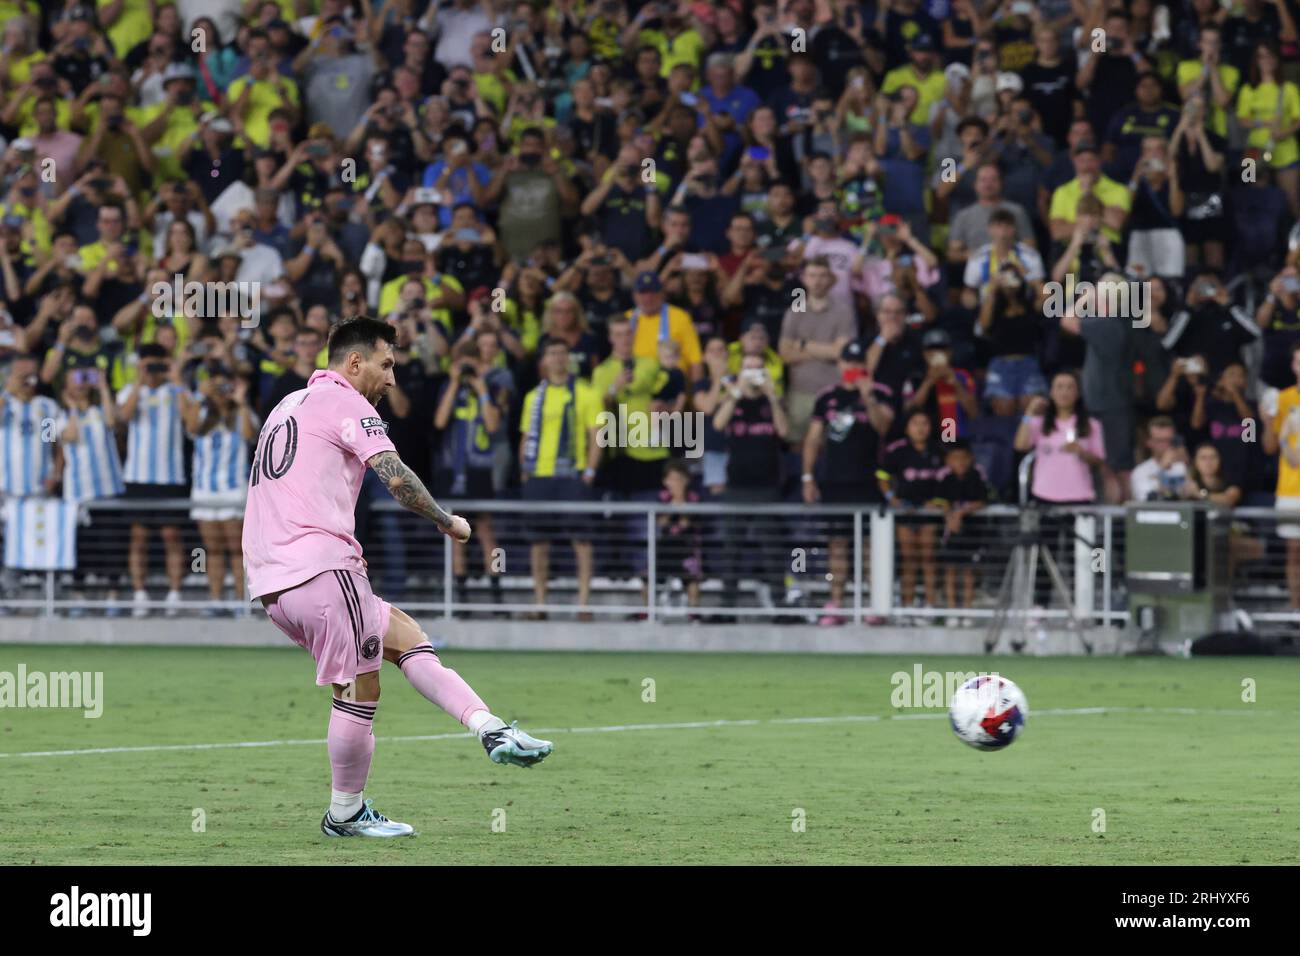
(152, 350)
(1002, 215)
(358, 333)
(1254, 74)
(679, 466)
(1082, 426)
(960, 444)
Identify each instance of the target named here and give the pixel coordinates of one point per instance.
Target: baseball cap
(77, 13)
(853, 352)
(1009, 81)
(936, 339)
(177, 71)
(647, 282)
(922, 41)
(956, 71)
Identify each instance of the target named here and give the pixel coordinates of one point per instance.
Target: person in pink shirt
(304, 564)
(1068, 444)
(876, 266)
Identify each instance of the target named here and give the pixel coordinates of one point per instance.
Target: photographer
(1210, 326)
(1010, 325)
(468, 252)
(1089, 252)
(468, 416)
(948, 395)
(221, 426)
(1068, 444)
(316, 264)
(751, 418)
(1155, 245)
(626, 209)
(151, 409)
(1164, 471)
(1278, 317)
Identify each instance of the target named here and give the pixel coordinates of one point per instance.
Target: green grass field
(1216, 785)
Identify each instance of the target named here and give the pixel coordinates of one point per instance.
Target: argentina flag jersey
(27, 435)
(155, 441)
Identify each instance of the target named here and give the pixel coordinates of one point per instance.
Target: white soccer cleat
(512, 745)
(368, 822)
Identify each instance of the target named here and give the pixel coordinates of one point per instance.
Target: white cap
(1009, 81)
(956, 71)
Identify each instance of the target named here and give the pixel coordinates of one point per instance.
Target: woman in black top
(1010, 325)
(1199, 156)
(908, 478)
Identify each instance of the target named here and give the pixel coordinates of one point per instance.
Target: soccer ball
(988, 712)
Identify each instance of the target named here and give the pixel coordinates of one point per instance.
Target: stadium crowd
(865, 241)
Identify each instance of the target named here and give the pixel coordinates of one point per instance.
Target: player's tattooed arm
(404, 485)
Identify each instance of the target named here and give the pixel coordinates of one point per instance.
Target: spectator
(1269, 109)
(559, 455)
(1210, 325)
(947, 395)
(849, 422)
(679, 539)
(221, 425)
(153, 409)
(1163, 473)
(468, 415)
(908, 476)
(1067, 444)
(961, 493)
(653, 319)
(754, 423)
(1108, 375)
(1010, 327)
(811, 342)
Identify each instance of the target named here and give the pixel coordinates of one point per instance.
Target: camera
(467, 370)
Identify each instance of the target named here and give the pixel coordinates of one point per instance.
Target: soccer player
(304, 564)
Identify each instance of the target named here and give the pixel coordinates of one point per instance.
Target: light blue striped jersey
(220, 462)
(155, 438)
(91, 466)
(28, 431)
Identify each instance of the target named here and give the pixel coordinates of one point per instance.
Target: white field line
(620, 728)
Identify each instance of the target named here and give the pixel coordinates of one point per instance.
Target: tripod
(1016, 593)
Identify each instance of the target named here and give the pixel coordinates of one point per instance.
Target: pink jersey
(302, 489)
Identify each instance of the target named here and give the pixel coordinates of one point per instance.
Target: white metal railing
(411, 564)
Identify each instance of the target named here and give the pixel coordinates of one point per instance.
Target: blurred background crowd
(862, 239)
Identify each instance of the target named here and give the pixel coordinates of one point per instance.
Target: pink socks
(441, 685)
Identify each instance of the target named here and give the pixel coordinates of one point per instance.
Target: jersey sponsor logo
(374, 427)
(370, 648)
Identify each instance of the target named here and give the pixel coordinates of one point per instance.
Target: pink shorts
(337, 617)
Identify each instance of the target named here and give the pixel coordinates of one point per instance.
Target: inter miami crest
(370, 649)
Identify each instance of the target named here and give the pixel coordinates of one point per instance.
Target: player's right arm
(406, 486)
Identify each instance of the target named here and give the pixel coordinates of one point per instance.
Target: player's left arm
(405, 486)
